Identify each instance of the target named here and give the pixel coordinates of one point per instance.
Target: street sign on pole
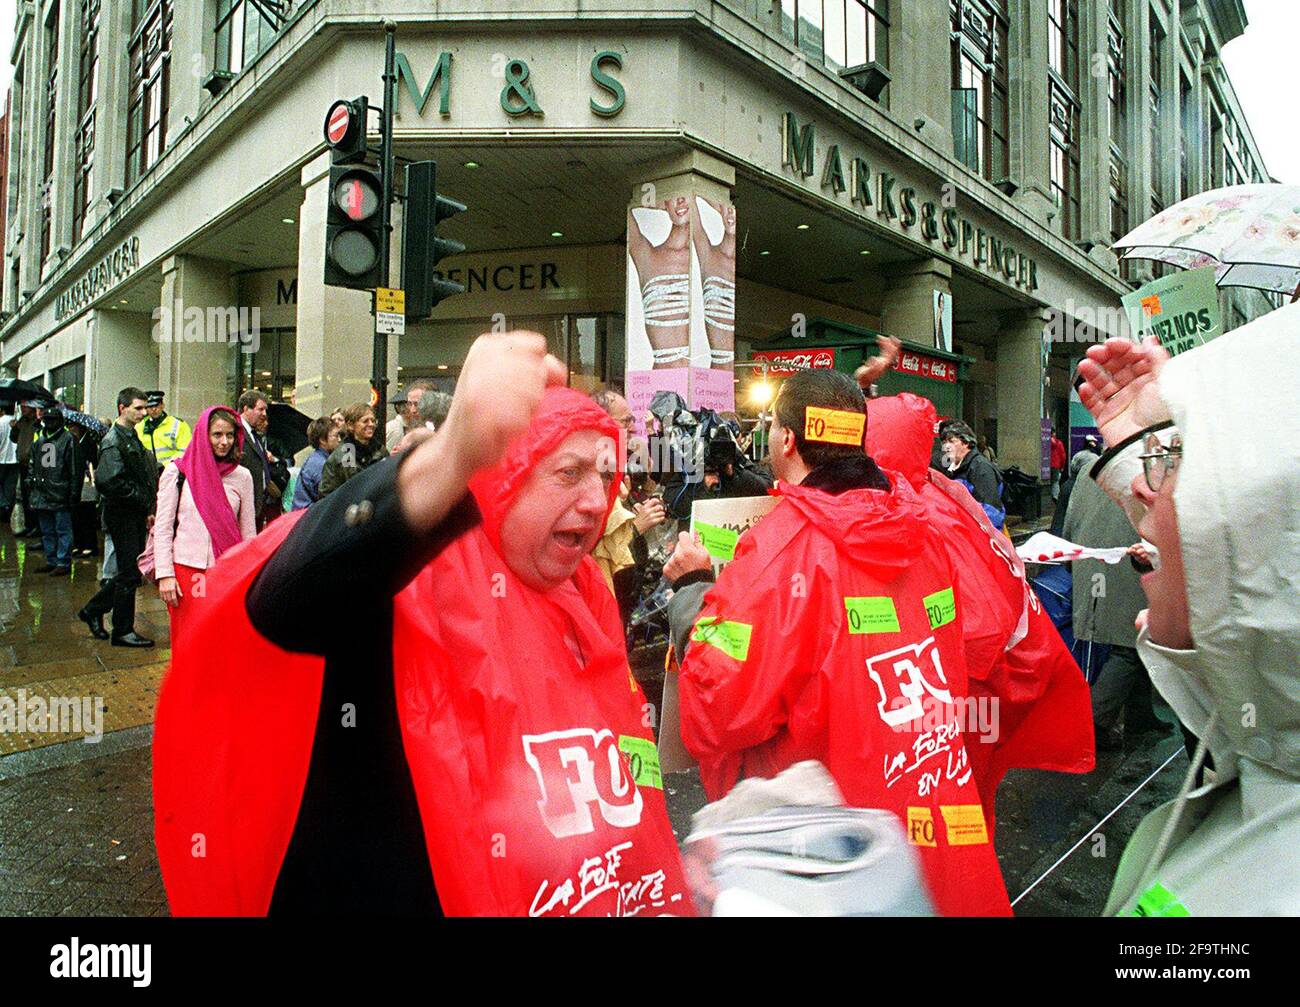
(390, 311)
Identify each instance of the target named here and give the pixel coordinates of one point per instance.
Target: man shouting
(415, 698)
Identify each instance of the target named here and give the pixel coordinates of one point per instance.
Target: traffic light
(354, 218)
(353, 228)
(421, 247)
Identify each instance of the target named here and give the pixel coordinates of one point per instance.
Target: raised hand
(1120, 387)
(688, 555)
(869, 373)
(499, 389)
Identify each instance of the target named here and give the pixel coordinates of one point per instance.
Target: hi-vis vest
(168, 441)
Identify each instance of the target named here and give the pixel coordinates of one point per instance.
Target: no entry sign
(340, 123)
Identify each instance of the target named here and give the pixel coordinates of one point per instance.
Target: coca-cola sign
(786, 362)
(926, 367)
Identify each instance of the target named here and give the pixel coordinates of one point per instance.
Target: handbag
(147, 563)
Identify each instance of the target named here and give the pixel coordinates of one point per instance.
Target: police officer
(165, 437)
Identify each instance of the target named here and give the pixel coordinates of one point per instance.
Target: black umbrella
(17, 390)
(286, 429)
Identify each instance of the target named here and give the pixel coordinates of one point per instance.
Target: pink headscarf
(203, 473)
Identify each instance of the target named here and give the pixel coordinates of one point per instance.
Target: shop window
(149, 55)
(51, 104)
(244, 29)
(979, 86)
(87, 92)
(271, 369)
(68, 382)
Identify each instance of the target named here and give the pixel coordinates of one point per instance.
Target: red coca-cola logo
(797, 360)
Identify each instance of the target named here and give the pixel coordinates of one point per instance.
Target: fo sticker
(920, 827)
(833, 426)
(643, 760)
(965, 824)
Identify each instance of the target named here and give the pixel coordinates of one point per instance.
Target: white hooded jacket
(1232, 849)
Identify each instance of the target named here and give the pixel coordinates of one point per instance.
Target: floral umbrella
(1249, 233)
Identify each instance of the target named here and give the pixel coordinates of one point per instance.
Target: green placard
(720, 543)
(1181, 309)
(941, 607)
(871, 615)
(732, 638)
(643, 760)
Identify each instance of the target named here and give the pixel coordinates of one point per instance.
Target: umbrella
(1249, 233)
(17, 390)
(97, 427)
(287, 428)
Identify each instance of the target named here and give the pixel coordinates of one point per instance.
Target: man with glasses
(1107, 598)
(1202, 455)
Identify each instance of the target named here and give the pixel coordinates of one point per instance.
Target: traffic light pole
(379, 363)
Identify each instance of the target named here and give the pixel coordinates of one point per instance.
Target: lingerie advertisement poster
(681, 303)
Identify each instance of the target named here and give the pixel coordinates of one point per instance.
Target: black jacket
(253, 458)
(982, 476)
(348, 459)
(126, 476)
(55, 468)
(358, 844)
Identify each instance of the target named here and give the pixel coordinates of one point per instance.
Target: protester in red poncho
(472, 742)
(1042, 718)
(835, 634)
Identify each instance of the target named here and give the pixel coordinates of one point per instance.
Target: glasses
(1158, 461)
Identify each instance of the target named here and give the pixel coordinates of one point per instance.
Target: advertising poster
(681, 302)
(943, 321)
(1182, 310)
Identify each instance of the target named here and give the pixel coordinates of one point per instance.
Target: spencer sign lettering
(116, 266)
(892, 203)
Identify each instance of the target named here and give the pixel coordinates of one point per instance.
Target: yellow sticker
(965, 824)
(833, 426)
(920, 827)
(1151, 305)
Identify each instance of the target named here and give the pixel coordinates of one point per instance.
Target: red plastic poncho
(1013, 652)
(834, 635)
(535, 774)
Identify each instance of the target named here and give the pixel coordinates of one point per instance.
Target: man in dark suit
(256, 459)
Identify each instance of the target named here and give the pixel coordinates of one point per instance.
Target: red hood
(900, 434)
(882, 531)
(563, 411)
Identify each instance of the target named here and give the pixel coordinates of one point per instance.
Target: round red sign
(337, 122)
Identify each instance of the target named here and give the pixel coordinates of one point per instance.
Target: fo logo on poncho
(578, 768)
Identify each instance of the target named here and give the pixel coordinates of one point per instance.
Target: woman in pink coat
(205, 506)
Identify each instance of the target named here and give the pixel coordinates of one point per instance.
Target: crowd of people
(169, 504)
(481, 556)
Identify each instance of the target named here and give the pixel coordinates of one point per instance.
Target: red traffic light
(357, 195)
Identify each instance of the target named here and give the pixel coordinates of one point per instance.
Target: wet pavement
(76, 822)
